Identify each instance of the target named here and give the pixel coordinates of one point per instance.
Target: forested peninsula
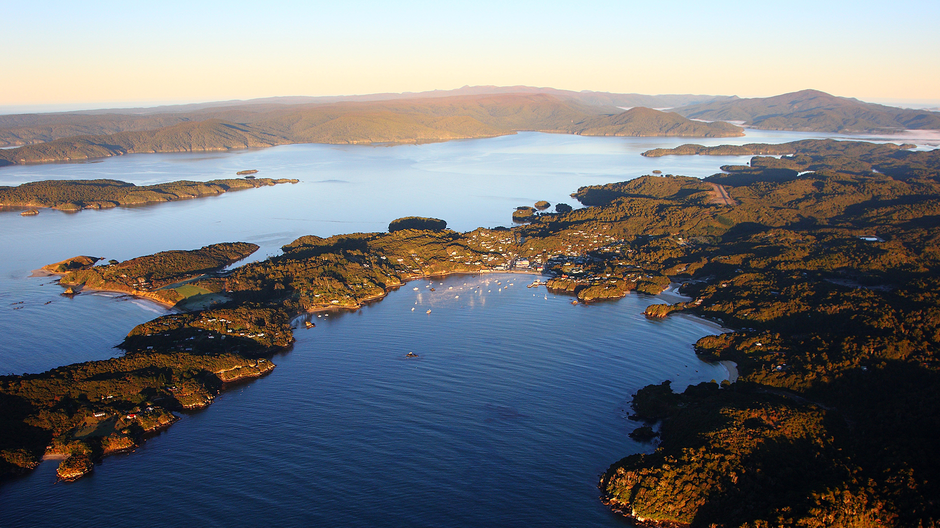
(75, 195)
(826, 269)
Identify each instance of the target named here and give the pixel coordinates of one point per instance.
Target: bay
(514, 407)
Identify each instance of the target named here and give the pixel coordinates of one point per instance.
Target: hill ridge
(350, 122)
(814, 111)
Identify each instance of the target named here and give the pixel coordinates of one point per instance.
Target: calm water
(512, 411)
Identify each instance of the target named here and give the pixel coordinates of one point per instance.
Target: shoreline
(260, 370)
(702, 320)
(671, 293)
(133, 293)
(148, 296)
(377, 298)
(732, 369)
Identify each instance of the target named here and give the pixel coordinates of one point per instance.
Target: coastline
(149, 296)
(715, 325)
(261, 367)
(407, 279)
(732, 369)
(236, 148)
(671, 293)
(164, 419)
(38, 273)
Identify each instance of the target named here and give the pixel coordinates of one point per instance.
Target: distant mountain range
(25, 129)
(78, 136)
(812, 110)
(586, 97)
(468, 112)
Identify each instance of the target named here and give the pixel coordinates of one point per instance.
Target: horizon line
(52, 108)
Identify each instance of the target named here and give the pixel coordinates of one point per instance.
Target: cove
(516, 403)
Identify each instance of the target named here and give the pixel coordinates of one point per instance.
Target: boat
(31, 212)
(411, 354)
(429, 310)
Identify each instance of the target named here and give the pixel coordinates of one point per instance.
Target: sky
(95, 54)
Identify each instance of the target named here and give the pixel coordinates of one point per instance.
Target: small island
(75, 195)
(417, 222)
(523, 214)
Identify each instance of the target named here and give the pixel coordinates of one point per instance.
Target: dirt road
(720, 196)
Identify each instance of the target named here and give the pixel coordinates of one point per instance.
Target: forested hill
(468, 112)
(828, 272)
(24, 129)
(810, 147)
(75, 195)
(640, 122)
(399, 121)
(812, 110)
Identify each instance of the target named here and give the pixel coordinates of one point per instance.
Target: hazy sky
(92, 54)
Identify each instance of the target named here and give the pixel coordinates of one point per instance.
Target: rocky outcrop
(71, 264)
(75, 467)
(242, 372)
